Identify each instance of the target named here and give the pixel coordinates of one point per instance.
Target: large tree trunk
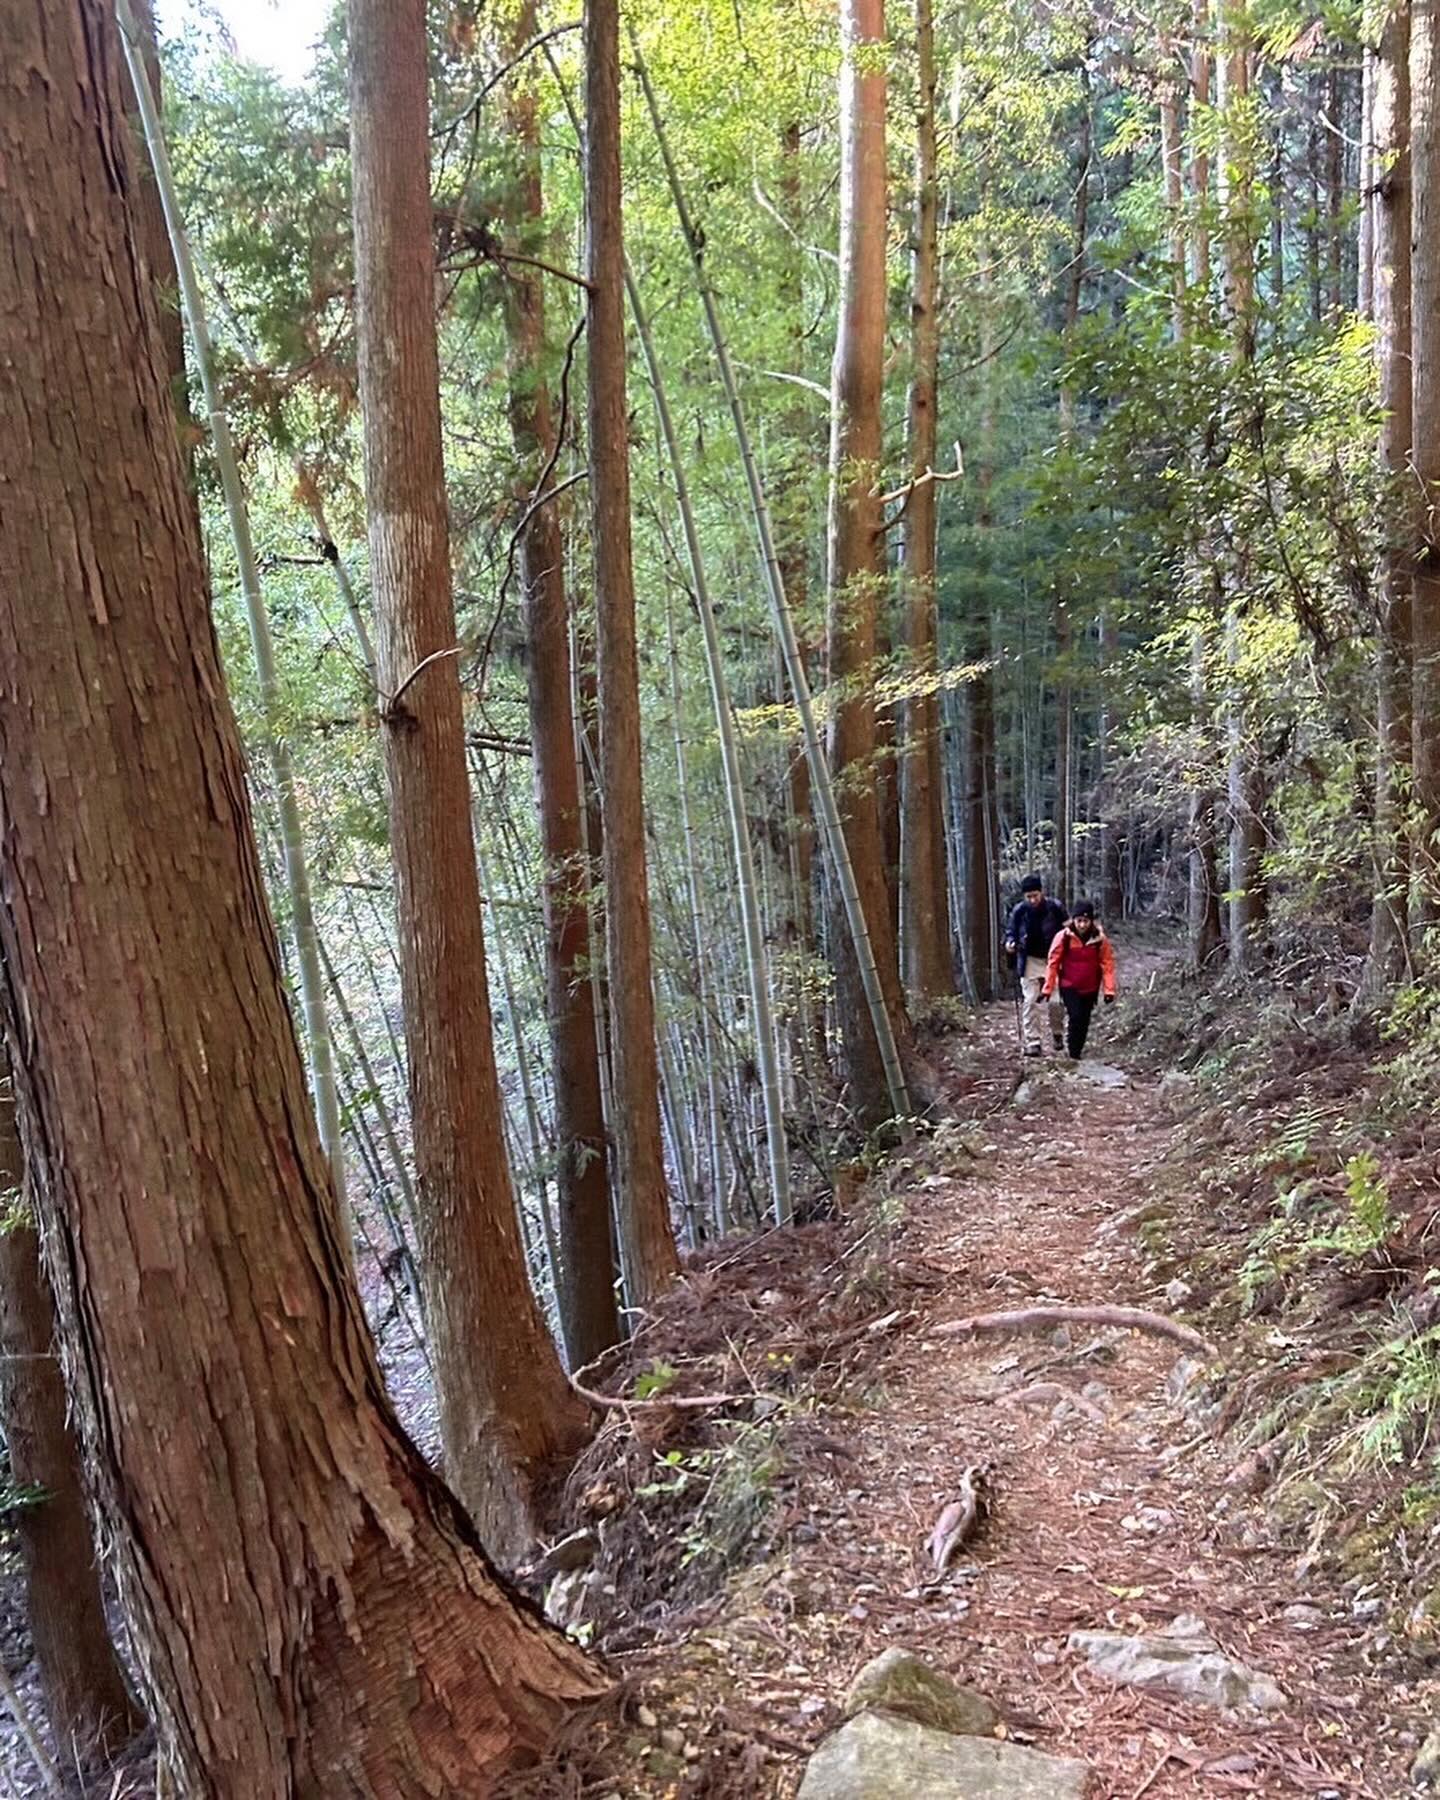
(1425, 425)
(507, 1414)
(856, 573)
(585, 1279)
(1390, 301)
(311, 1608)
(929, 961)
(86, 1696)
(642, 1198)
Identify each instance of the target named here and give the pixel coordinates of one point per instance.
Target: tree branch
(1041, 1318)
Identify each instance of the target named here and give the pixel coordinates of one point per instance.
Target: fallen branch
(1041, 1318)
(690, 1402)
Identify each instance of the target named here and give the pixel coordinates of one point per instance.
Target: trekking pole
(1019, 1029)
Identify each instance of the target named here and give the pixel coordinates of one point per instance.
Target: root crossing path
(1110, 1505)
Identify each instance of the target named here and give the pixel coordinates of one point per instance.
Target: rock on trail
(879, 1756)
(1184, 1660)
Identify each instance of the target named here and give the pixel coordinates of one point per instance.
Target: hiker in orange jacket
(1080, 969)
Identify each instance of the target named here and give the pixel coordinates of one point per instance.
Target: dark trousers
(1078, 1008)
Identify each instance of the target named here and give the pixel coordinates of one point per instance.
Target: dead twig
(688, 1402)
(1041, 1318)
(1154, 1775)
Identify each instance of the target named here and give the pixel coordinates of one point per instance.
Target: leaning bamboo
(757, 965)
(832, 830)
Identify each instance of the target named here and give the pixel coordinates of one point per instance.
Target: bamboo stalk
(751, 918)
(832, 830)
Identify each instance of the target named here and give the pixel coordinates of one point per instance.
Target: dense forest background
(690, 509)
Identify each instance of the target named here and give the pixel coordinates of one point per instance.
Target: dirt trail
(1117, 1525)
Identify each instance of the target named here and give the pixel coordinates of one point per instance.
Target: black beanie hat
(1083, 909)
(1032, 884)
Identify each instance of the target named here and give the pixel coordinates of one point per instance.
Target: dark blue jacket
(1033, 929)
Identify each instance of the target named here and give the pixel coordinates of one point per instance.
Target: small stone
(673, 1741)
(1425, 1770)
(1182, 1376)
(1302, 1616)
(644, 1716)
(897, 1681)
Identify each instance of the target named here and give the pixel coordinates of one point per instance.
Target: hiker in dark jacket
(1032, 929)
(1081, 967)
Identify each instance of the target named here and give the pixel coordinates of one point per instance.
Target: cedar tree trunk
(506, 1410)
(311, 1609)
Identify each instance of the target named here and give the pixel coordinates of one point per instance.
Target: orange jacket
(1055, 968)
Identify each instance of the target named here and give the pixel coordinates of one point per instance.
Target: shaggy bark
(88, 1700)
(228, 1394)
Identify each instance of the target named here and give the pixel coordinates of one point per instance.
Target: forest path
(1111, 1510)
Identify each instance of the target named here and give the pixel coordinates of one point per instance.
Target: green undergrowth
(1301, 1206)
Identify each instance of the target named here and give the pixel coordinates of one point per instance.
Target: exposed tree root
(1041, 1318)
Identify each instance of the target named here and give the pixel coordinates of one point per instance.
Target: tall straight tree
(927, 953)
(856, 549)
(506, 1410)
(1205, 934)
(1245, 779)
(310, 1607)
(980, 899)
(585, 1280)
(87, 1700)
(1390, 301)
(1425, 428)
(1074, 287)
(642, 1198)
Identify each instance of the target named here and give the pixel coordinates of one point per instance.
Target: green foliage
(727, 1490)
(656, 1380)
